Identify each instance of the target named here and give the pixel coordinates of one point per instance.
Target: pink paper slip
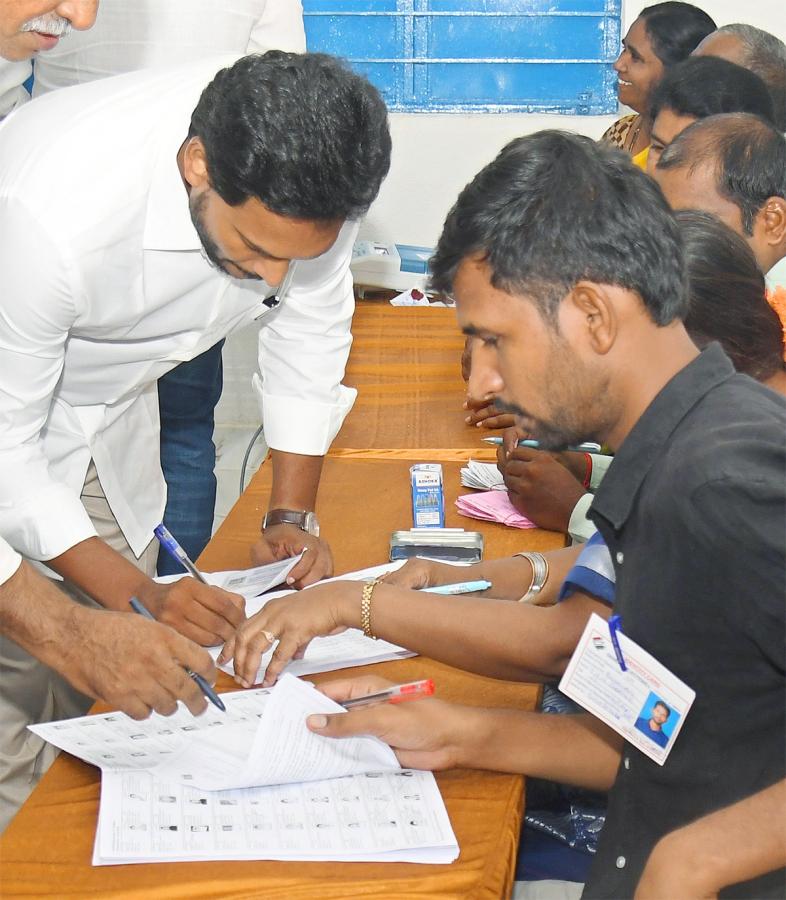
(492, 506)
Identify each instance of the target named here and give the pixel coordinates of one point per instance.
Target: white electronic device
(394, 266)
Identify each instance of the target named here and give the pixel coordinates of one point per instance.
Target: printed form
(253, 783)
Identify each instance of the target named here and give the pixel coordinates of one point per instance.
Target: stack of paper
(492, 506)
(184, 788)
(482, 476)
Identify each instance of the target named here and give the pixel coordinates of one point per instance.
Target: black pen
(208, 691)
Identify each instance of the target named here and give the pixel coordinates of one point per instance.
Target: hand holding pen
(206, 614)
(427, 734)
(201, 682)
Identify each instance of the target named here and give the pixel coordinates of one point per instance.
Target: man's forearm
(577, 750)
(36, 615)
(295, 480)
(733, 844)
(102, 573)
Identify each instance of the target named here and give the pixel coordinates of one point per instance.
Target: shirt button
(621, 862)
(620, 557)
(626, 762)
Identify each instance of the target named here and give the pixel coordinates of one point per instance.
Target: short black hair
(302, 133)
(728, 303)
(702, 86)
(764, 54)
(749, 156)
(554, 208)
(675, 29)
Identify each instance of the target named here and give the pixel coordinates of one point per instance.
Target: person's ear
(195, 163)
(593, 312)
(771, 226)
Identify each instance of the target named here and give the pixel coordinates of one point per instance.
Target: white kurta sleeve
(280, 27)
(10, 561)
(39, 516)
(303, 350)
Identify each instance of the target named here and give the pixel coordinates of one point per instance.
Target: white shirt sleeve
(10, 561)
(280, 27)
(303, 350)
(580, 528)
(40, 516)
(600, 465)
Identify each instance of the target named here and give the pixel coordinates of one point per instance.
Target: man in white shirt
(87, 647)
(111, 196)
(138, 34)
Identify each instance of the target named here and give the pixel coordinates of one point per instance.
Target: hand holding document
(282, 751)
(159, 802)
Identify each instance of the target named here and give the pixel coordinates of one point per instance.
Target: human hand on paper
(417, 574)
(424, 734)
(539, 487)
(283, 541)
(292, 621)
(132, 664)
(205, 614)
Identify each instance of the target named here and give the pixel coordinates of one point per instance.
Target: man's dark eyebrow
(470, 331)
(252, 246)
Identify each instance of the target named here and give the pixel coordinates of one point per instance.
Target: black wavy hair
(727, 296)
(302, 133)
(554, 208)
(702, 86)
(749, 156)
(675, 29)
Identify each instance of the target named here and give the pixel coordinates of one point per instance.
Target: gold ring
(269, 636)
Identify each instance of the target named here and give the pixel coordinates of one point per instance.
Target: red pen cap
(413, 691)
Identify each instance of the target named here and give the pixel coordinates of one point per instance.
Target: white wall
(435, 155)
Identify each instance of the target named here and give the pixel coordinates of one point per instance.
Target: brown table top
(406, 364)
(364, 496)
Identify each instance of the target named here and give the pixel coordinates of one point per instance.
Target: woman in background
(663, 35)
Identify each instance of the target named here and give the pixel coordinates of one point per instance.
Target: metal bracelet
(540, 575)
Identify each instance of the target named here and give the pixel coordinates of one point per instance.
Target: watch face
(311, 524)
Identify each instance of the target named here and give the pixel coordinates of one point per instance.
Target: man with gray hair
(759, 51)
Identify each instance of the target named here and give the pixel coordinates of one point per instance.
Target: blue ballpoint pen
(174, 549)
(535, 445)
(208, 691)
(462, 587)
(615, 626)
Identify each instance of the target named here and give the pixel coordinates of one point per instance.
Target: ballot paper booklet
(254, 783)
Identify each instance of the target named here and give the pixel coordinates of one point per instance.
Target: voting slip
(645, 703)
(482, 476)
(246, 582)
(253, 783)
(325, 654)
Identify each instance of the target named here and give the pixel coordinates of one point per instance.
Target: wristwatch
(304, 519)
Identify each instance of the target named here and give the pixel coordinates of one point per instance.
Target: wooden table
(406, 364)
(46, 850)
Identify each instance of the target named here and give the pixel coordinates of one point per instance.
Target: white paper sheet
(280, 751)
(382, 817)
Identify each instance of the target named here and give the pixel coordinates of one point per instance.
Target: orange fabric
(776, 297)
(364, 496)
